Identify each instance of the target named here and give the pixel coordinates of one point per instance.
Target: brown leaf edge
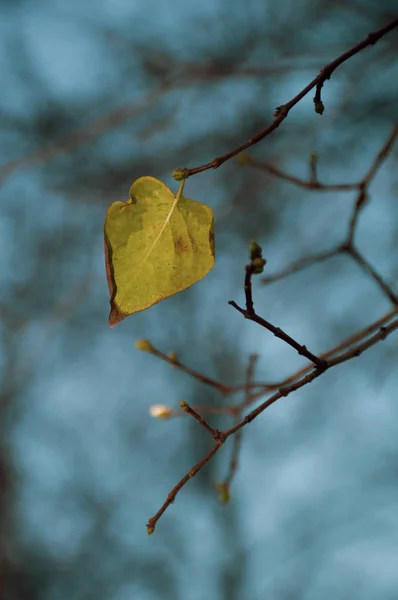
(115, 315)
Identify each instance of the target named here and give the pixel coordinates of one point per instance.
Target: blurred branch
(199, 419)
(310, 184)
(84, 135)
(363, 263)
(225, 486)
(185, 74)
(300, 264)
(282, 111)
(363, 185)
(20, 372)
(173, 361)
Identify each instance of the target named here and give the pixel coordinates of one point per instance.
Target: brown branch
(172, 495)
(363, 263)
(297, 266)
(363, 185)
(249, 313)
(199, 419)
(346, 343)
(173, 361)
(381, 156)
(225, 486)
(283, 110)
(354, 352)
(311, 184)
(347, 246)
(282, 392)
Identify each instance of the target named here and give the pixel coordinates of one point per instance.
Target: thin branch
(297, 266)
(199, 419)
(249, 313)
(308, 184)
(354, 352)
(257, 390)
(381, 157)
(363, 185)
(173, 361)
(363, 263)
(282, 392)
(346, 343)
(360, 202)
(283, 110)
(233, 464)
(172, 495)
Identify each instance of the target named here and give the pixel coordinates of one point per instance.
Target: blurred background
(93, 95)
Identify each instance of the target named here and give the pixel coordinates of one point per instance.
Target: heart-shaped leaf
(156, 244)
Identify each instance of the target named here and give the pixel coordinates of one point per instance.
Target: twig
(297, 266)
(172, 495)
(363, 185)
(249, 313)
(199, 419)
(310, 184)
(225, 486)
(346, 343)
(173, 361)
(354, 352)
(313, 168)
(283, 110)
(362, 262)
(360, 202)
(382, 155)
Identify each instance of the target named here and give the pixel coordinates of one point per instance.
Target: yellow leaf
(156, 244)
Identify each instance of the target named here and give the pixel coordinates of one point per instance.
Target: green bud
(173, 357)
(258, 265)
(255, 251)
(223, 492)
(319, 107)
(144, 345)
(179, 174)
(244, 159)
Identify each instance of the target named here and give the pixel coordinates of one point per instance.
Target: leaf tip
(115, 316)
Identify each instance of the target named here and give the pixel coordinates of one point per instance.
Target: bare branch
(283, 110)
